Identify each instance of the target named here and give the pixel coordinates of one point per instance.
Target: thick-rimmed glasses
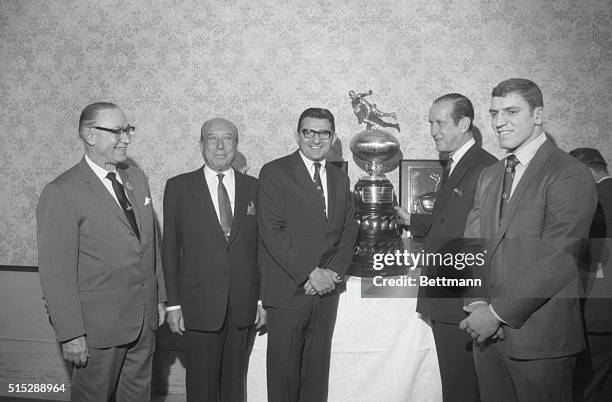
(128, 131)
(310, 133)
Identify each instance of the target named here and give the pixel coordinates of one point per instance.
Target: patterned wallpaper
(173, 64)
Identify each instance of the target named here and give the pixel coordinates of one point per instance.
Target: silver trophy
(379, 225)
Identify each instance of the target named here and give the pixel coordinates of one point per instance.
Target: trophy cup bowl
(379, 225)
(374, 146)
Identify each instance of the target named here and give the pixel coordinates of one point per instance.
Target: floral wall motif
(173, 64)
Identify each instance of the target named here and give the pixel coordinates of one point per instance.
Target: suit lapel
(302, 177)
(204, 201)
(332, 191)
(532, 170)
(241, 195)
(131, 195)
(455, 178)
(96, 186)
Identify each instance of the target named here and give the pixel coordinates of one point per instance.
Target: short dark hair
(90, 112)
(591, 158)
(528, 90)
(462, 107)
(317, 113)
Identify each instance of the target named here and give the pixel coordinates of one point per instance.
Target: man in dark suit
(594, 367)
(308, 228)
(451, 121)
(99, 270)
(210, 263)
(532, 212)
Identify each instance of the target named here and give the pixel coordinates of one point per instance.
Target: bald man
(210, 265)
(99, 270)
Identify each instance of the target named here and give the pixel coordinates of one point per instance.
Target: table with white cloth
(381, 351)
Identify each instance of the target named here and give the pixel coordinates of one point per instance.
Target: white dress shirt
(458, 154)
(229, 181)
(525, 154)
(101, 173)
(322, 174)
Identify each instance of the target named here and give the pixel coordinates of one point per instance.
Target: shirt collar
(458, 154)
(310, 163)
(210, 174)
(526, 152)
(603, 178)
(99, 171)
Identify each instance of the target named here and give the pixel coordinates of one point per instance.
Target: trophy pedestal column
(379, 227)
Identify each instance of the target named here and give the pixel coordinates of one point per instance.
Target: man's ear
(464, 124)
(89, 137)
(538, 114)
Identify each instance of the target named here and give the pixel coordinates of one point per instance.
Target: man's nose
(124, 137)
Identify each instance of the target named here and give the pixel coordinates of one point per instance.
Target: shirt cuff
(171, 308)
(497, 316)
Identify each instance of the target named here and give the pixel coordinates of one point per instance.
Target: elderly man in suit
(99, 270)
(451, 121)
(308, 228)
(532, 212)
(210, 264)
(594, 367)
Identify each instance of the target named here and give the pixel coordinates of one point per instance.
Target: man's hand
(175, 321)
(481, 324)
(323, 280)
(403, 214)
(308, 289)
(260, 317)
(161, 314)
(75, 351)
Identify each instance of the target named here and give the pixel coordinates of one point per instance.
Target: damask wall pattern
(173, 64)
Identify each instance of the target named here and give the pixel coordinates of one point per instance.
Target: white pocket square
(251, 208)
(147, 200)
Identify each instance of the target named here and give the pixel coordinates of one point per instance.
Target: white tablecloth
(381, 351)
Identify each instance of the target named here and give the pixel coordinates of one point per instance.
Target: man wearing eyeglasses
(307, 226)
(99, 266)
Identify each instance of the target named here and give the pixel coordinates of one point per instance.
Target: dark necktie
(124, 202)
(447, 169)
(225, 208)
(317, 180)
(511, 162)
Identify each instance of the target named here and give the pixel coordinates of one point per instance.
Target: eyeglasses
(310, 133)
(129, 131)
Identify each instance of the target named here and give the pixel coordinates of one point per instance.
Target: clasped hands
(321, 281)
(481, 323)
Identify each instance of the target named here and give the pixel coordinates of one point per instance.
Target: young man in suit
(210, 263)
(308, 230)
(532, 212)
(594, 367)
(451, 122)
(98, 263)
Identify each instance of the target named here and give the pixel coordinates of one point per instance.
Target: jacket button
(441, 220)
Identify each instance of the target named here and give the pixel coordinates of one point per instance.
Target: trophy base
(364, 263)
(379, 229)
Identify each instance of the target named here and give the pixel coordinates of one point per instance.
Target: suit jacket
(598, 266)
(297, 236)
(97, 278)
(445, 234)
(203, 270)
(531, 276)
